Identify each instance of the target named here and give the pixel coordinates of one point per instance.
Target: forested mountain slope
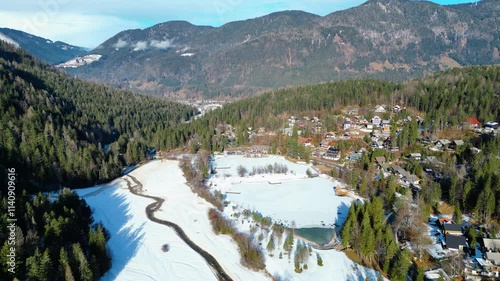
(42, 48)
(444, 98)
(56, 129)
(380, 39)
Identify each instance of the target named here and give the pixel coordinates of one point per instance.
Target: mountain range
(380, 39)
(44, 49)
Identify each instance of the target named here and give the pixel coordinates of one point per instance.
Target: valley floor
(136, 242)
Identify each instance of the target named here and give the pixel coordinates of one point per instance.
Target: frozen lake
(308, 202)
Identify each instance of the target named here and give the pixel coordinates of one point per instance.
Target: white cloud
(120, 44)
(162, 44)
(141, 46)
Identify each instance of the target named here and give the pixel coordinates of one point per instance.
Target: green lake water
(318, 235)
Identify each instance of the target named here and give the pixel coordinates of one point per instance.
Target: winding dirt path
(136, 189)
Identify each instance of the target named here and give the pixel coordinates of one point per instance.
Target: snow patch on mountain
(165, 44)
(79, 61)
(120, 44)
(7, 39)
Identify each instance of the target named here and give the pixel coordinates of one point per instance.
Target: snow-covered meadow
(290, 197)
(136, 243)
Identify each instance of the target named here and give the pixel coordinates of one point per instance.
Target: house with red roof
(472, 123)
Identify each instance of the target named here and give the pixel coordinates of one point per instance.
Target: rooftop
(454, 242)
(452, 227)
(493, 257)
(492, 244)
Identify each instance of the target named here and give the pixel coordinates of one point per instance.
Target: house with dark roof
(397, 170)
(346, 125)
(452, 229)
(454, 242)
(492, 125)
(332, 154)
(415, 156)
(442, 144)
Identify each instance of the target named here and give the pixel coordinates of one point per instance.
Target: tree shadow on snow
(111, 209)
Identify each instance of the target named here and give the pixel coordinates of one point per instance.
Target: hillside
(62, 131)
(382, 39)
(44, 49)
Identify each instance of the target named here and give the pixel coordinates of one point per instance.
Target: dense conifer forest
(54, 239)
(445, 99)
(62, 131)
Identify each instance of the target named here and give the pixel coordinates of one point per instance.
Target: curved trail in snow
(153, 207)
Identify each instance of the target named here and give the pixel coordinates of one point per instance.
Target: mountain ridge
(52, 52)
(390, 39)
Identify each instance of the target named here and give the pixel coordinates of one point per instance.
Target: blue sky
(88, 23)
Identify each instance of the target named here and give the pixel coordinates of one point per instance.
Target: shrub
(242, 171)
(251, 253)
(220, 224)
(320, 260)
(165, 248)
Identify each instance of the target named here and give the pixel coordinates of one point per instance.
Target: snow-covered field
(136, 242)
(306, 201)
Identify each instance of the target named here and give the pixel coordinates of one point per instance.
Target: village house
(443, 221)
(494, 257)
(415, 156)
(412, 180)
(386, 128)
(288, 131)
(454, 242)
(396, 108)
(305, 141)
(369, 126)
(452, 229)
(330, 136)
(325, 144)
(346, 125)
(352, 111)
(436, 275)
(333, 154)
(380, 160)
(376, 121)
(433, 161)
(455, 144)
(491, 265)
(472, 123)
(380, 108)
(397, 170)
(354, 156)
(491, 245)
(442, 144)
(492, 127)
